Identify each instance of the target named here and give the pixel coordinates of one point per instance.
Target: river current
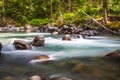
(78, 59)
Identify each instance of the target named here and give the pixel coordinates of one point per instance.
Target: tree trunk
(51, 9)
(30, 4)
(60, 11)
(24, 4)
(69, 4)
(105, 13)
(89, 3)
(3, 6)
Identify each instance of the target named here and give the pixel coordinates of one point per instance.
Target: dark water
(79, 59)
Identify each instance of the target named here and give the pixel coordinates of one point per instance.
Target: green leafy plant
(40, 22)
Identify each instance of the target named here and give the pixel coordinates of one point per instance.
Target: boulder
(42, 57)
(38, 40)
(0, 47)
(34, 77)
(55, 33)
(28, 28)
(66, 38)
(114, 55)
(21, 45)
(52, 29)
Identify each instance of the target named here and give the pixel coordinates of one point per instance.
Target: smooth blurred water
(66, 57)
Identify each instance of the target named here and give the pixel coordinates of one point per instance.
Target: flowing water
(79, 59)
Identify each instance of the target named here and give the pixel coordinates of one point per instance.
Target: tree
(60, 11)
(105, 11)
(69, 4)
(3, 6)
(30, 4)
(51, 7)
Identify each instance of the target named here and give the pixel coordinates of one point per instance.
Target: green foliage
(39, 22)
(113, 25)
(68, 16)
(22, 12)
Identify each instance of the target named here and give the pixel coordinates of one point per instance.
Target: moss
(113, 25)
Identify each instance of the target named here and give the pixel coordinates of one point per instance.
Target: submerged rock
(8, 78)
(21, 45)
(66, 38)
(78, 67)
(42, 57)
(114, 55)
(38, 40)
(34, 77)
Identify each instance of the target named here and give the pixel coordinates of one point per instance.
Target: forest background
(59, 12)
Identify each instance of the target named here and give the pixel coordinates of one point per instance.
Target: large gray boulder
(21, 45)
(38, 41)
(114, 55)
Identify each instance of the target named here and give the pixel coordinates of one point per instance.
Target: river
(78, 59)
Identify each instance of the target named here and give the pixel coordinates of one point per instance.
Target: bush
(68, 16)
(40, 22)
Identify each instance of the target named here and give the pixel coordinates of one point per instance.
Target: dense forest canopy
(40, 12)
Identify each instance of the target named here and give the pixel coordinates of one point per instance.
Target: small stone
(34, 77)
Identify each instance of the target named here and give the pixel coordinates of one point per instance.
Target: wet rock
(113, 55)
(52, 29)
(75, 36)
(55, 33)
(21, 45)
(0, 47)
(66, 38)
(28, 28)
(34, 77)
(42, 57)
(89, 33)
(38, 40)
(63, 78)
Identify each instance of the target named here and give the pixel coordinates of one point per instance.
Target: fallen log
(114, 32)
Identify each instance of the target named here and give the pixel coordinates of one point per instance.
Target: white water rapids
(57, 49)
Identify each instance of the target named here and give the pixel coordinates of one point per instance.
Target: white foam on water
(4, 35)
(81, 47)
(79, 43)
